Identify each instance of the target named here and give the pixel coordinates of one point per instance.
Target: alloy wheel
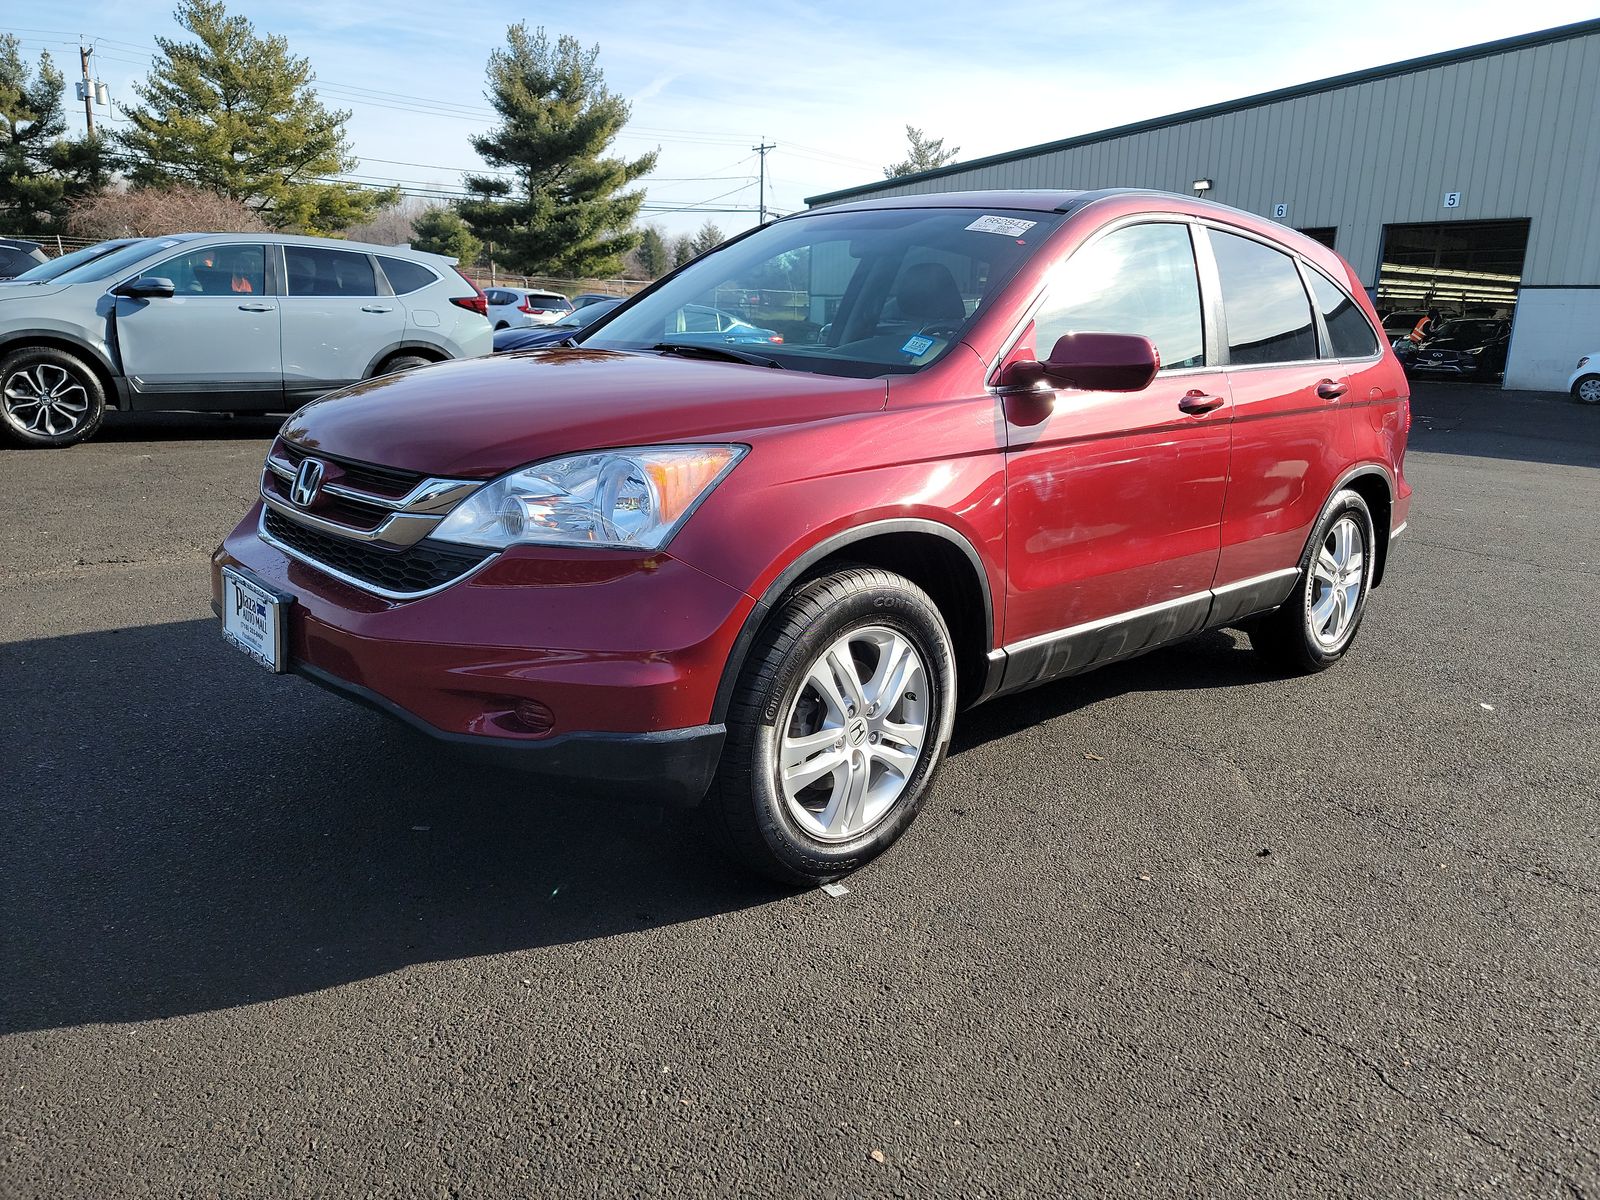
(1338, 574)
(854, 734)
(46, 399)
(1589, 391)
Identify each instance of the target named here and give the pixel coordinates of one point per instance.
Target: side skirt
(1093, 644)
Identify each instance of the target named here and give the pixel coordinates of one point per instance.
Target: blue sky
(832, 84)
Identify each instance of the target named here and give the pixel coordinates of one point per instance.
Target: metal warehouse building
(1465, 181)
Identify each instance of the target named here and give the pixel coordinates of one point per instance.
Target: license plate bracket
(255, 618)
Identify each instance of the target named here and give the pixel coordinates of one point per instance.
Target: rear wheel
(1587, 390)
(404, 362)
(837, 727)
(1315, 626)
(49, 398)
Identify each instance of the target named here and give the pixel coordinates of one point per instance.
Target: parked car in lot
(703, 325)
(763, 579)
(18, 255)
(1473, 349)
(1585, 382)
(223, 323)
(519, 308)
(584, 299)
(569, 326)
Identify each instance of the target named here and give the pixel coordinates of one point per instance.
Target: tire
(75, 399)
(868, 782)
(1587, 390)
(502, 325)
(1316, 625)
(404, 362)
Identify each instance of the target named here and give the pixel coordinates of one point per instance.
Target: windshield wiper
(694, 350)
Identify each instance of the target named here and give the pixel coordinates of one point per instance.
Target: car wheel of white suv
(49, 398)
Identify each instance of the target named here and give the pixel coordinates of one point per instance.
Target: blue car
(548, 335)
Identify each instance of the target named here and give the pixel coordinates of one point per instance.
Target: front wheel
(49, 398)
(837, 727)
(1587, 390)
(1315, 626)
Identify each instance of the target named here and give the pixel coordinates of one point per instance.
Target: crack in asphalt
(1569, 1185)
(1581, 569)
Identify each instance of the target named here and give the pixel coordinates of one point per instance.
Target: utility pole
(762, 150)
(86, 87)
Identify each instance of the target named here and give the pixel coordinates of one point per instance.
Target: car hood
(478, 418)
(29, 289)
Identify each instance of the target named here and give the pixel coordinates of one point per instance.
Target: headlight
(1476, 351)
(627, 499)
(1582, 363)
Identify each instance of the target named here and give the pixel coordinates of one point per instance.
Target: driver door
(1115, 498)
(214, 343)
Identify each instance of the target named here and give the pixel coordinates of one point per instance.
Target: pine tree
(441, 230)
(235, 113)
(927, 154)
(560, 208)
(708, 238)
(41, 171)
(654, 256)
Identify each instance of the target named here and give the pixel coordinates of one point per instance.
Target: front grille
(334, 508)
(419, 568)
(386, 481)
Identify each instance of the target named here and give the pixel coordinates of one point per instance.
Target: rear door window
(1265, 303)
(314, 271)
(1349, 334)
(1140, 279)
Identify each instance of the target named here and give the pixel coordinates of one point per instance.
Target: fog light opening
(533, 717)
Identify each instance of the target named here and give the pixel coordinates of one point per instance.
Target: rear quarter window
(406, 276)
(1349, 334)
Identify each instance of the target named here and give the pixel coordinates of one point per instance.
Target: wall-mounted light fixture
(1201, 186)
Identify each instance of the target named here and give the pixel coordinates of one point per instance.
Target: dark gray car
(221, 323)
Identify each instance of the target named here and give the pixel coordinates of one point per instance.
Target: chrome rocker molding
(361, 585)
(1070, 651)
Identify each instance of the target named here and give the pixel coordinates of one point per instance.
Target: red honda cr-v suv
(995, 439)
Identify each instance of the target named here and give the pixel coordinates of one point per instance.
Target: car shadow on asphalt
(184, 832)
(1482, 421)
(186, 426)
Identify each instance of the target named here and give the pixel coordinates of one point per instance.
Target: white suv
(518, 308)
(1585, 382)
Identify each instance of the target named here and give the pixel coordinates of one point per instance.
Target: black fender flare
(110, 376)
(1380, 537)
(827, 548)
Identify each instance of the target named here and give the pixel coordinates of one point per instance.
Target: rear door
(338, 319)
(1291, 439)
(214, 343)
(1115, 499)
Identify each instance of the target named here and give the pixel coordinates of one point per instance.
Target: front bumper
(623, 652)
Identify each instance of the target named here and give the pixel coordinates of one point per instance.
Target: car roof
(299, 239)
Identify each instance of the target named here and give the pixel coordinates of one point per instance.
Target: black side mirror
(146, 287)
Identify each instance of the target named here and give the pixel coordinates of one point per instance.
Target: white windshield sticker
(1005, 226)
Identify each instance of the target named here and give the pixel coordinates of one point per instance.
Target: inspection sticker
(916, 345)
(1005, 226)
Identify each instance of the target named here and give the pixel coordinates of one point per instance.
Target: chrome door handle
(255, 308)
(378, 308)
(1329, 390)
(1198, 403)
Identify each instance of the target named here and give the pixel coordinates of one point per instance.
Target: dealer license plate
(254, 618)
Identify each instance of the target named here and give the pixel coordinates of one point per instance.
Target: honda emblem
(306, 482)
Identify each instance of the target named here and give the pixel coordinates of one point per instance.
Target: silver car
(221, 323)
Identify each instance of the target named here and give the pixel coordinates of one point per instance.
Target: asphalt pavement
(1179, 927)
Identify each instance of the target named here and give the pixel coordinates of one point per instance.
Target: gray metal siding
(1517, 134)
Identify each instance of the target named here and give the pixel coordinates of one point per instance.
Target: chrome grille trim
(437, 496)
(397, 529)
(352, 580)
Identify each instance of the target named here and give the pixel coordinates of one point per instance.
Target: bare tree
(156, 211)
(392, 226)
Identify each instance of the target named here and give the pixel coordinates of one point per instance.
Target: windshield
(116, 261)
(587, 315)
(867, 293)
(60, 266)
